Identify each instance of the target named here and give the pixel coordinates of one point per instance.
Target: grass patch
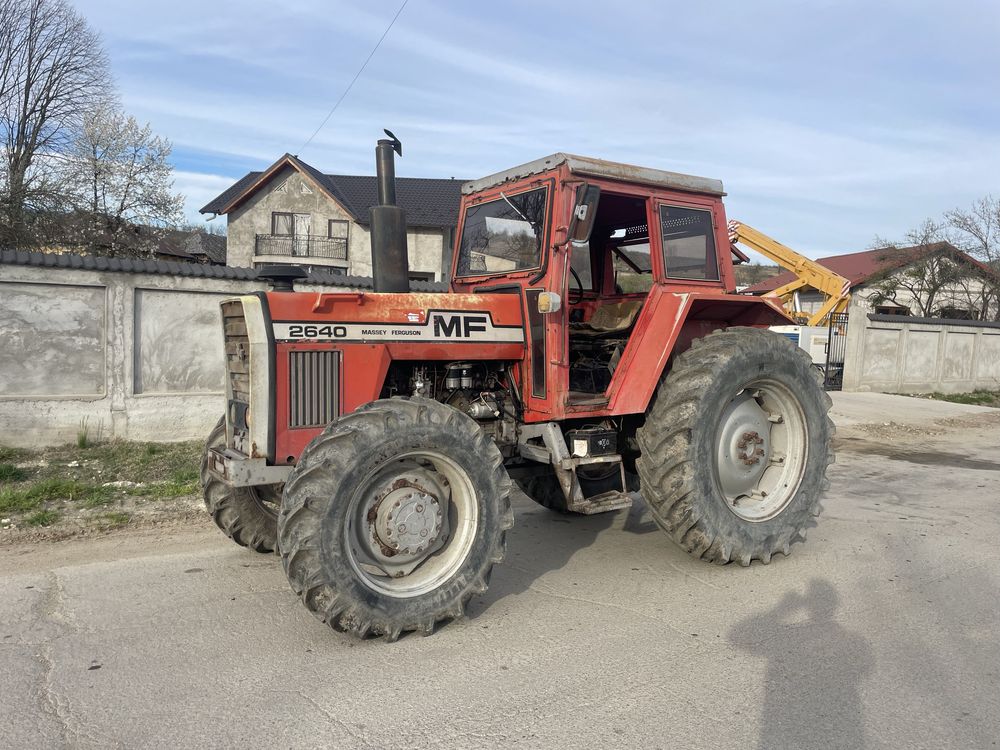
(97, 497)
(22, 499)
(67, 482)
(975, 398)
(17, 501)
(11, 473)
(180, 483)
(11, 454)
(139, 462)
(42, 518)
(114, 520)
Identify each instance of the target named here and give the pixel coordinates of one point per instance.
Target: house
(931, 280)
(190, 246)
(293, 213)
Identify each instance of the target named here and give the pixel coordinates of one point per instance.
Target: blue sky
(828, 122)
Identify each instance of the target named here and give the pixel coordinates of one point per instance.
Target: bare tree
(916, 274)
(932, 277)
(52, 68)
(122, 180)
(977, 229)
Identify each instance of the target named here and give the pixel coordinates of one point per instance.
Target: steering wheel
(579, 292)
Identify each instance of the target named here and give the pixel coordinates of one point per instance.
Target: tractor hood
(397, 318)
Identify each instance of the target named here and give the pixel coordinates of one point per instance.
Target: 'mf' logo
(459, 325)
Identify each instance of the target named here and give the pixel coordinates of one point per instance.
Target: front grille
(313, 388)
(237, 372)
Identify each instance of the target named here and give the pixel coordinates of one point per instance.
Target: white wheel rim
(761, 450)
(451, 488)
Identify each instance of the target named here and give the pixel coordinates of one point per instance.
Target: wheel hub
(744, 446)
(405, 523)
(408, 521)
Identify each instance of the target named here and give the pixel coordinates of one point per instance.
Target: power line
(356, 76)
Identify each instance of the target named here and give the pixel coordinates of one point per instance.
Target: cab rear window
(688, 243)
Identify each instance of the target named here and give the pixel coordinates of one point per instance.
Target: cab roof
(586, 166)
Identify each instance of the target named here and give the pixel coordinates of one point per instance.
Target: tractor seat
(611, 317)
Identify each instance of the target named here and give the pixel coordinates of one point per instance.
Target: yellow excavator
(809, 273)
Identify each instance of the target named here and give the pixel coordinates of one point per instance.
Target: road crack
(53, 609)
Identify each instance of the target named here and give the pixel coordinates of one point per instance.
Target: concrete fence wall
(137, 356)
(896, 354)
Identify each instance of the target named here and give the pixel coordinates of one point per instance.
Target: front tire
(736, 446)
(394, 517)
(247, 515)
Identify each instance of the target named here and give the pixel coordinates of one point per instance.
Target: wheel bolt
(423, 532)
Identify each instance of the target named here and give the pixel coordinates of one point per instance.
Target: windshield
(503, 235)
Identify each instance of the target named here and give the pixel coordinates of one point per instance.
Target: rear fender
(669, 322)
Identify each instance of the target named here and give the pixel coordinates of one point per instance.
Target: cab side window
(688, 243)
(633, 271)
(580, 263)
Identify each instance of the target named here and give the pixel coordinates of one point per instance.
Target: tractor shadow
(639, 520)
(540, 542)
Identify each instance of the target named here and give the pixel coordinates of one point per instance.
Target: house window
(337, 229)
(281, 223)
(421, 276)
(891, 310)
(958, 313)
(688, 243)
(332, 270)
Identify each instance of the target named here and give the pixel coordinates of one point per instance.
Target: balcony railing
(301, 246)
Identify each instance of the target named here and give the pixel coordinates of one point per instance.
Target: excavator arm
(809, 273)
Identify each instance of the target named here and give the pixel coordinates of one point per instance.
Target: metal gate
(836, 347)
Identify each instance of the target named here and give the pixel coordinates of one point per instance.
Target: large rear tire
(247, 515)
(736, 445)
(394, 517)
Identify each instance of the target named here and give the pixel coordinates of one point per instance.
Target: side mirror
(584, 213)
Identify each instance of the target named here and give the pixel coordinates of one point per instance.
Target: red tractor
(590, 346)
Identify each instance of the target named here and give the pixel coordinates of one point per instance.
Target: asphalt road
(597, 632)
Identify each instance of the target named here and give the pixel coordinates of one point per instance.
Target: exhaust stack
(390, 262)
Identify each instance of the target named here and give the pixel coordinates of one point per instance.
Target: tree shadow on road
(814, 671)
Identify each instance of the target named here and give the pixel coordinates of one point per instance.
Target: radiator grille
(313, 388)
(238, 373)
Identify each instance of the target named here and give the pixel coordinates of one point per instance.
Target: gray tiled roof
(428, 202)
(220, 201)
(139, 265)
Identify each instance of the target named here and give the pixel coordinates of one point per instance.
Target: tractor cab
(595, 250)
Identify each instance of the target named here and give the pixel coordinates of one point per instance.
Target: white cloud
(198, 189)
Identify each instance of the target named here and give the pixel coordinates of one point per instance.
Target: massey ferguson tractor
(590, 347)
